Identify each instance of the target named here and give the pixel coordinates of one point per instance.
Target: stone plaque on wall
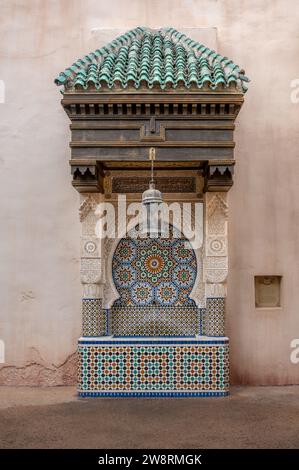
(267, 291)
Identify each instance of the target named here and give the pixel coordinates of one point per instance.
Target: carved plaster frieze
(89, 225)
(216, 275)
(215, 269)
(215, 290)
(216, 214)
(91, 270)
(216, 262)
(216, 225)
(92, 291)
(87, 214)
(216, 202)
(88, 203)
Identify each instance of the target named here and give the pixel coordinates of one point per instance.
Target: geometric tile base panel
(213, 321)
(153, 367)
(93, 318)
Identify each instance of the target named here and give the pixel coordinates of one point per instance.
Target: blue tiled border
(165, 337)
(152, 394)
(154, 342)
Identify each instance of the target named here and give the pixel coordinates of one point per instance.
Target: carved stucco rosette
(216, 246)
(89, 247)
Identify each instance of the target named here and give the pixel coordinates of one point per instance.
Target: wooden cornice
(131, 144)
(189, 97)
(113, 131)
(180, 106)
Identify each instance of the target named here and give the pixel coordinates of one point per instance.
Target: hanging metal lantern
(151, 199)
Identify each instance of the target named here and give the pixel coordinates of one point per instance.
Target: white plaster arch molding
(198, 292)
(111, 294)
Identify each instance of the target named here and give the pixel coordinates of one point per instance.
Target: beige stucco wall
(39, 245)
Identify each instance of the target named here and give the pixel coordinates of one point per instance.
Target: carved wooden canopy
(152, 89)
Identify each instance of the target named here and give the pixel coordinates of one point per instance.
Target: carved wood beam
(88, 177)
(218, 176)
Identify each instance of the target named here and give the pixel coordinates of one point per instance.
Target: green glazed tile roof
(162, 59)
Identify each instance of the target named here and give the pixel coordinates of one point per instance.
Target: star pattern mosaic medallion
(154, 271)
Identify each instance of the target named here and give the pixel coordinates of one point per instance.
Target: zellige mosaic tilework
(155, 321)
(214, 317)
(93, 318)
(170, 368)
(151, 271)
